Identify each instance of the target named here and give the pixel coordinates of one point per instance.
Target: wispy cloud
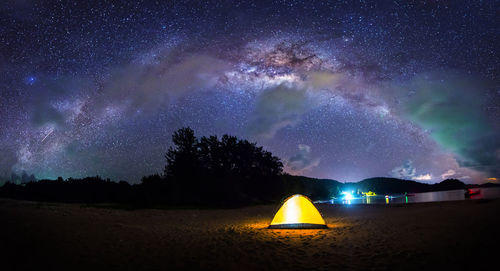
(276, 108)
(423, 177)
(405, 171)
(302, 160)
(448, 174)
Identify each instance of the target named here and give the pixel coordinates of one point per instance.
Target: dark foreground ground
(450, 235)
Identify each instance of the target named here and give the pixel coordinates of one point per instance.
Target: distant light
(369, 194)
(347, 196)
(30, 80)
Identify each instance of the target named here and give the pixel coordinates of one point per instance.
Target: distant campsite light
(347, 196)
(369, 194)
(298, 212)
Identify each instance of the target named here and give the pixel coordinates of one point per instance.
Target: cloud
(451, 109)
(423, 177)
(405, 171)
(146, 86)
(448, 174)
(44, 113)
(46, 97)
(276, 108)
(330, 80)
(302, 160)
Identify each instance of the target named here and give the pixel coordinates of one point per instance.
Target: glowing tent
(298, 212)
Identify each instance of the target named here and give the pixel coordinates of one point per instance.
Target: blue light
(30, 80)
(347, 196)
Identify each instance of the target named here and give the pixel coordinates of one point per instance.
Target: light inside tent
(297, 212)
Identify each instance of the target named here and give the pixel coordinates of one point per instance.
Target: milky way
(338, 90)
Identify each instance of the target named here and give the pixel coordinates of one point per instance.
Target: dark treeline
(156, 189)
(209, 171)
(90, 189)
(18, 178)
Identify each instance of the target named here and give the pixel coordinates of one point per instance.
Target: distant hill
(381, 185)
(448, 184)
(324, 189)
(316, 189)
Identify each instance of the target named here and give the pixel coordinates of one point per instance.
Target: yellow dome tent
(298, 212)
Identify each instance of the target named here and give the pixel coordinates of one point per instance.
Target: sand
(452, 235)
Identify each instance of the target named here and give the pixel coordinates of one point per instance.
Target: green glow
(447, 107)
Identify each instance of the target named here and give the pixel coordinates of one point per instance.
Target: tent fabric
(298, 212)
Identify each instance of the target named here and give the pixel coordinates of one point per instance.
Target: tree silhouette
(228, 169)
(183, 158)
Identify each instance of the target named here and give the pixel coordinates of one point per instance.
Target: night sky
(342, 90)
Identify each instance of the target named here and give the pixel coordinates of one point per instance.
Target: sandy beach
(459, 235)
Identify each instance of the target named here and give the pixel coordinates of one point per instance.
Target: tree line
(206, 170)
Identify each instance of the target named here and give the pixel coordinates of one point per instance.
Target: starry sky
(344, 90)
